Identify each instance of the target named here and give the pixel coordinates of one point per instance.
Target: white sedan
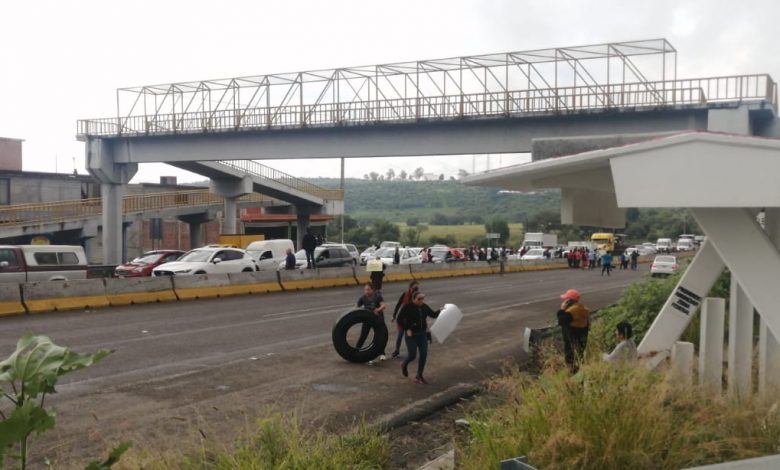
(208, 260)
(663, 265)
(533, 254)
(407, 256)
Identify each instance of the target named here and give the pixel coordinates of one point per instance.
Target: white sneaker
(382, 357)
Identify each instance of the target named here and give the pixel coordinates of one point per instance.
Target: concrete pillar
(682, 363)
(231, 190)
(195, 234)
(768, 345)
(111, 195)
(713, 315)
(303, 225)
(231, 207)
(740, 353)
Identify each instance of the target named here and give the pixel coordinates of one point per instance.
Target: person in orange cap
(574, 319)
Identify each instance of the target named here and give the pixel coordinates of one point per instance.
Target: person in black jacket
(309, 244)
(412, 319)
(405, 299)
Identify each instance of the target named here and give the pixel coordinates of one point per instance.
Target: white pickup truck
(27, 263)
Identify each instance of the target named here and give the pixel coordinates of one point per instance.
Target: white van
(685, 244)
(663, 245)
(27, 263)
(269, 253)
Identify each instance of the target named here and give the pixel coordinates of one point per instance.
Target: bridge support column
(195, 223)
(113, 177)
(740, 353)
(111, 195)
(231, 190)
(303, 220)
(768, 344)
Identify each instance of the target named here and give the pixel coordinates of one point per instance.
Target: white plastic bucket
(445, 324)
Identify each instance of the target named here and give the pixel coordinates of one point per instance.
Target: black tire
(368, 352)
(247, 270)
(200, 272)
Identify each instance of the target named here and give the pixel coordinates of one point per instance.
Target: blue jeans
(398, 340)
(413, 343)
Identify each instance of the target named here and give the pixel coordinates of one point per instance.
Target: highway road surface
(182, 371)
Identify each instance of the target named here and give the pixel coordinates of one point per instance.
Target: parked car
(325, 256)
(209, 260)
(351, 249)
(269, 253)
(406, 255)
(144, 264)
(663, 265)
(533, 254)
(367, 254)
(650, 247)
(445, 254)
(27, 263)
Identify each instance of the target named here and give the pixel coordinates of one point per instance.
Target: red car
(143, 265)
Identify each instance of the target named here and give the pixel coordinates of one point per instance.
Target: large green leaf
(22, 422)
(38, 362)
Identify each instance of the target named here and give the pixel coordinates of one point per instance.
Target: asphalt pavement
(182, 371)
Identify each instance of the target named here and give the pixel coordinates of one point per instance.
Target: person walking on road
(606, 263)
(405, 299)
(574, 319)
(412, 318)
(309, 244)
(373, 301)
(377, 276)
(634, 258)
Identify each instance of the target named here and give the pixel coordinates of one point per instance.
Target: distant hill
(400, 201)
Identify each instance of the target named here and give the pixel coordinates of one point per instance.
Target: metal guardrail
(254, 168)
(25, 214)
(650, 94)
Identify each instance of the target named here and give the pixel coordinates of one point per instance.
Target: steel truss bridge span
(611, 76)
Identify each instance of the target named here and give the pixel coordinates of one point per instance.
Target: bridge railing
(26, 214)
(258, 169)
(697, 91)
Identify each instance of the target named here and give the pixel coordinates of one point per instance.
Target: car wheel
(247, 270)
(367, 352)
(200, 272)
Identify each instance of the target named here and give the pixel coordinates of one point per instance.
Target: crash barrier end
(45, 296)
(11, 300)
(139, 290)
(302, 279)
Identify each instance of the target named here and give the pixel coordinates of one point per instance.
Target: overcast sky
(63, 60)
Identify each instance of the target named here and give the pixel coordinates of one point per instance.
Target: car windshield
(665, 259)
(535, 252)
(148, 259)
(196, 256)
(385, 252)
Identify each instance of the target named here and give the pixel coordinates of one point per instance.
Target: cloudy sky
(63, 60)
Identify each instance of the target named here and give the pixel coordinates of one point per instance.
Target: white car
(407, 256)
(208, 260)
(367, 254)
(533, 254)
(663, 265)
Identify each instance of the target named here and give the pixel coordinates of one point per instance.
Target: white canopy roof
(696, 169)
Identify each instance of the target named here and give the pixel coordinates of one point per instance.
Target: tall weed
(614, 417)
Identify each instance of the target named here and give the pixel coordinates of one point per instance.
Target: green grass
(610, 417)
(466, 234)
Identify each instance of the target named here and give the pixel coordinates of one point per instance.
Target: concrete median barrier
(432, 270)
(393, 273)
(46, 296)
(260, 282)
(300, 279)
(201, 286)
(11, 300)
(139, 290)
